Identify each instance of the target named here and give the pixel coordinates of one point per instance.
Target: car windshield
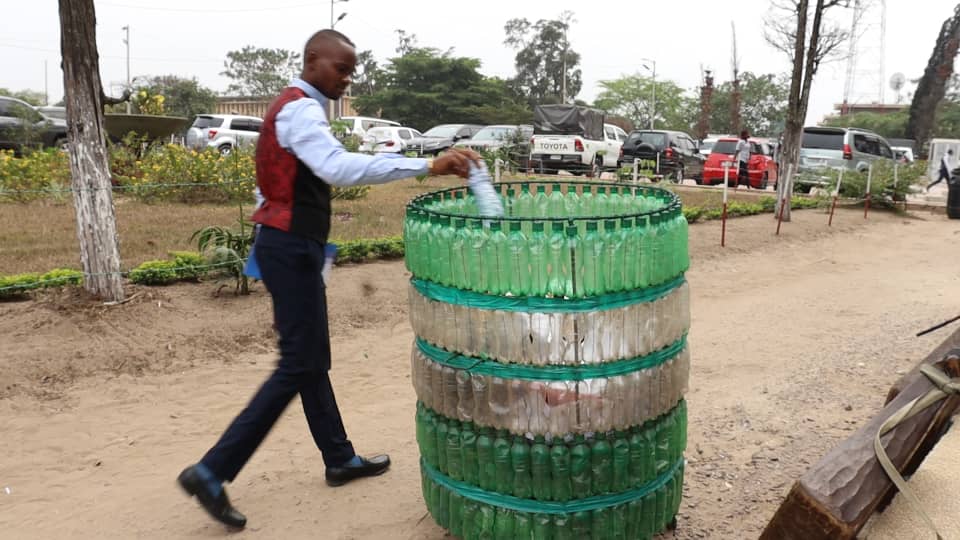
(706, 146)
(657, 140)
(724, 147)
(207, 121)
(380, 132)
(493, 133)
(822, 140)
(442, 131)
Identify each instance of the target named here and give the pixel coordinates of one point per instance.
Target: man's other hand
(454, 161)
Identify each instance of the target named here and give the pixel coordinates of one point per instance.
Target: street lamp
(333, 22)
(653, 99)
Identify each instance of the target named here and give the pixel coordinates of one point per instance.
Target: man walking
(743, 159)
(946, 165)
(297, 161)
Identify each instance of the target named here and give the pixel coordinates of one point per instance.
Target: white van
(358, 125)
(939, 147)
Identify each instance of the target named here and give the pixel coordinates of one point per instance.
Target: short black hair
(327, 34)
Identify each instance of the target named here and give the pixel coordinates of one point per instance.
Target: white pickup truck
(575, 139)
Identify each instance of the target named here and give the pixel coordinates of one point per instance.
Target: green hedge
(737, 208)
(19, 284)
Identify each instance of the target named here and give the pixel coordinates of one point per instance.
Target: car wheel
(678, 175)
(225, 149)
(596, 167)
(764, 181)
(61, 144)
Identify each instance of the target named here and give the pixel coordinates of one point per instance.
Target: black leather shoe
(218, 507)
(376, 465)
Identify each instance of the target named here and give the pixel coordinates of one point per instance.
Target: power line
(223, 11)
(119, 57)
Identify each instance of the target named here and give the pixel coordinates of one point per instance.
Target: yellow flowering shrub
(42, 174)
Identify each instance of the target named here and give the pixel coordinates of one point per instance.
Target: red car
(761, 168)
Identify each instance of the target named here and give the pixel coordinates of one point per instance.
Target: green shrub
(18, 284)
(59, 277)
(40, 174)
(883, 190)
(352, 251)
(155, 273)
(190, 265)
(351, 193)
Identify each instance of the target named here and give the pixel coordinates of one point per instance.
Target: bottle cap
(458, 195)
(524, 188)
(537, 226)
(571, 189)
(541, 188)
(572, 231)
(556, 226)
(614, 190)
(459, 223)
(601, 190)
(514, 226)
(626, 222)
(609, 225)
(591, 225)
(494, 225)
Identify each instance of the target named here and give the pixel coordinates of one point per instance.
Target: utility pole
(566, 18)
(46, 88)
(735, 94)
(653, 92)
(126, 41)
(335, 110)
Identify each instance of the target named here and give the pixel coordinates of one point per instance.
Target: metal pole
(726, 180)
(636, 172)
(331, 13)
(836, 193)
(783, 200)
(866, 203)
(46, 88)
(126, 40)
(653, 102)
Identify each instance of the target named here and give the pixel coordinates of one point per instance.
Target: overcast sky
(190, 38)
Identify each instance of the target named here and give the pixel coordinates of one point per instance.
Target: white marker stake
(866, 203)
(636, 169)
(723, 217)
(836, 193)
(496, 170)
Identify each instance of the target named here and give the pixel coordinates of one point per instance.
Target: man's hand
(454, 161)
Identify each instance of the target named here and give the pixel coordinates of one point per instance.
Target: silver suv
(837, 148)
(223, 132)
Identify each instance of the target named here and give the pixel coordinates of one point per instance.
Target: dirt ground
(795, 341)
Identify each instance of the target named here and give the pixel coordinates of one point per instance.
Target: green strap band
(539, 304)
(550, 373)
(547, 507)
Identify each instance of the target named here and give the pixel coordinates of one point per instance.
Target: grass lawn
(41, 235)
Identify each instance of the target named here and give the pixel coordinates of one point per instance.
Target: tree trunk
(89, 166)
(933, 83)
(793, 134)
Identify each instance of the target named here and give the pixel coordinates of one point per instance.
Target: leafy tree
(405, 42)
(368, 71)
(541, 49)
(258, 72)
(631, 96)
(887, 125)
(32, 97)
(933, 84)
(763, 104)
(425, 87)
(182, 96)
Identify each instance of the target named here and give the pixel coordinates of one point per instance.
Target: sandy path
(768, 394)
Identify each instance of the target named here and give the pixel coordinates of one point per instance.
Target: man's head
(329, 59)
(744, 135)
(950, 151)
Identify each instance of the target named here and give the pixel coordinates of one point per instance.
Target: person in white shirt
(743, 158)
(946, 165)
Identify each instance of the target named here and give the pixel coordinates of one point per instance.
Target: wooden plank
(834, 499)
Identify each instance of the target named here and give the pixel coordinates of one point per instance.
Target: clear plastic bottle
(536, 258)
(499, 401)
(487, 200)
(465, 404)
(481, 399)
(518, 265)
(558, 262)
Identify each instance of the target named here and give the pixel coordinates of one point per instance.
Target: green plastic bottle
(468, 523)
(574, 252)
(419, 419)
(660, 519)
(445, 245)
(429, 448)
(541, 203)
(454, 451)
(642, 236)
(432, 252)
(536, 258)
(637, 449)
(650, 450)
(571, 202)
(635, 526)
(523, 207)
(501, 457)
(581, 525)
(443, 507)
(442, 428)
(561, 527)
(648, 515)
(409, 223)
(542, 527)
(658, 253)
(589, 262)
(520, 460)
(508, 201)
(580, 468)
(618, 522)
(556, 204)
(540, 470)
(477, 257)
(601, 203)
(621, 462)
(504, 525)
(612, 262)
(522, 526)
(627, 261)
(664, 431)
(487, 468)
(518, 265)
(615, 201)
(486, 522)
(459, 203)
(459, 265)
(682, 447)
(558, 260)
(456, 514)
(497, 259)
(562, 485)
(684, 241)
(587, 202)
(601, 459)
(601, 524)
(468, 446)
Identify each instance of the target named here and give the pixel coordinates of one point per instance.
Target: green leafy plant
(228, 249)
(886, 188)
(361, 250)
(154, 273)
(18, 284)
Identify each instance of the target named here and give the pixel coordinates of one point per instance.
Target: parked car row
(21, 123)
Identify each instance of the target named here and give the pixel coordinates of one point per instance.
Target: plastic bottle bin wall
(551, 359)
